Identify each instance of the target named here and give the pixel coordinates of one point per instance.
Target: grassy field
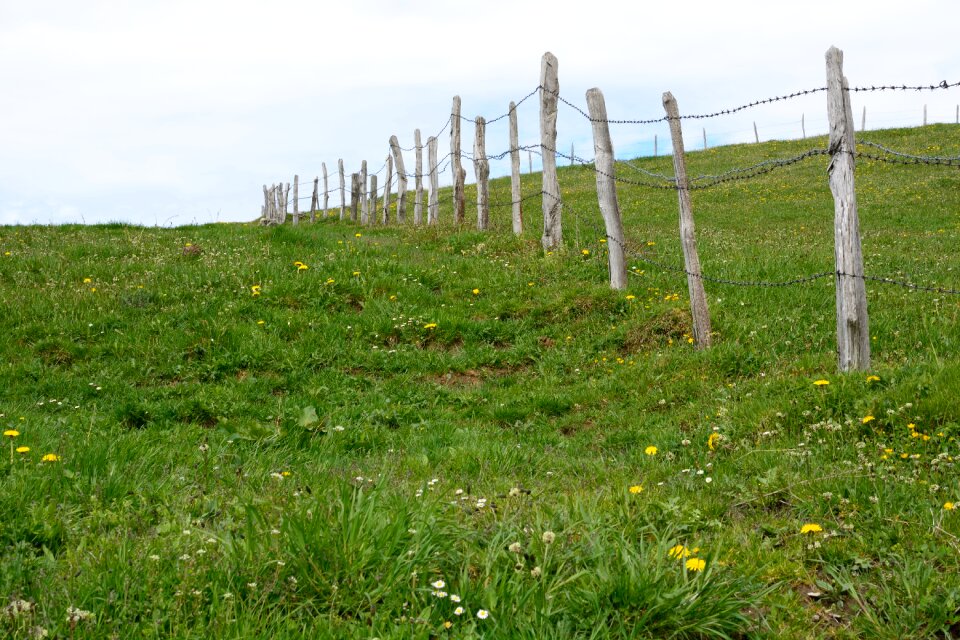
(433, 433)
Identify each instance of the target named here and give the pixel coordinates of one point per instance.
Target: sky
(178, 112)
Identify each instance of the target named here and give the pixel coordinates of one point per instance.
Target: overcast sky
(177, 112)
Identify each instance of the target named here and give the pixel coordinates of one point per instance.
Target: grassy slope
(196, 498)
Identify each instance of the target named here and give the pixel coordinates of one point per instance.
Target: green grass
(308, 461)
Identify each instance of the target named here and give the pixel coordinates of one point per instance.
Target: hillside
(248, 448)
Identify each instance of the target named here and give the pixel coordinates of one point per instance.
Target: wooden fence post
(756, 136)
(315, 200)
(456, 167)
(387, 186)
(355, 195)
(803, 126)
(326, 190)
(266, 205)
(433, 210)
(364, 203)
(372, 201)
(552, 204)
(515, 191)
(924, 115)
(863, 119)
(418, 180)
(654, 145)
(853, 333)
(286, 204)
(296, 200)
(572, 154)
(704, 138)
(401, 180)
(481, 168)
(607, 188)
(343, 190)
(691, 261)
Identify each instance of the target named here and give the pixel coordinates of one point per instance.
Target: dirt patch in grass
(670, 324)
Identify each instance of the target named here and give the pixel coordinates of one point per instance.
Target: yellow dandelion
(261, 322)
(949, 506)
(11, 433)
(476, 292)
(873, 378)
(23, 449)
(631, 297)
(821, 383)
(357, 235)
(911, 426)
(356, 273)
(585, 252)
(651, 243)
(650, 451)
(868, 419)
(430, 325)
(811, 528)
(302, 267)
(696, 564)
(678, 552)
(712, 440)
(50, 457)
(330, 280)
(636, 488)
(87, 280)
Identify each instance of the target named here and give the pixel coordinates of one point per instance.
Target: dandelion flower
(548, 537)
(50, 457)
(678, 552)
(476, 292)
(483, 614)
(430, 325)
(585, 252)
(696, 564)
(636, 488)
(868, 419)
(302, 267)
(811, 528)
(873, 378)
(87, 281)
(650, 451)
(515, 547)
(712, 440)
(447, 624)
(821, 383)
(631, 297)
(357, 235)
(11, 433)
(23, 449)
(949, 506)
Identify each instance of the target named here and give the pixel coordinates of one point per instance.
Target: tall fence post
(607, 188)
(401, 180)
(482, 169)
(515, 191)
(529, 161)
(924, 115)
(372, 200)
(704, 138)
(863, 119)
(654, 145)
(387, 186)
(315, 200)
(286, 203)
(433, 210)
(456, 167)
(803, 125)
(688, 238)
(266, 205)
(572, 154)
(756, 136)
(418, 180)
(364, 202)
(853, 333)
(552, 204)
(343, 190)
(355, 195)
(296, 199)
(326, 191)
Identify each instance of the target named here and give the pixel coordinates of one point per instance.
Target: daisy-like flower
(454, 598)
(811, 528)
(438, 584)
(483, 614)
(696, 564)
(458, 611)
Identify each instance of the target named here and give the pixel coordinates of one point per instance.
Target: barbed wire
(950, 161)
(494, 205)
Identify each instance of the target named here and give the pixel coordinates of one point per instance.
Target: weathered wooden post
(515, 191)
(572, 154)
(552, 204)
(756, 136)
(481, 168)
(364, 201)
(853, 332)
(326, 190)
(418, 180)
(654, 145)
(315, 200)
(803, 126)
(356, 195)
(456, 167)
(372, 201)
(386, 190)
(924, 115)
(691, 261)
(296, 200)
(433, 210)
(529, 161)
(704, 138)
(607, 188)
(343, 193)
(286, 203)
(863, 119)
(266, 204)
(401, 180)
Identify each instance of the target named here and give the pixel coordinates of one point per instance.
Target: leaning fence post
(356, 187)
(515, 172)
(552, 204)
(459, 173)
(401, 180)
(691, 261)
(296, 199)
(853, 333)
(326, 190)
(386, 190)
(343, 190)
(418, 180)
(315, 200)
(607, 188)
(482, 169)
(364, 203)
(433, 211)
